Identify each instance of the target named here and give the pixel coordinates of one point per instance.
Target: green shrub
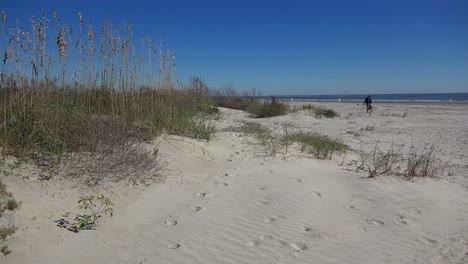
(98, 207)
(267, 109)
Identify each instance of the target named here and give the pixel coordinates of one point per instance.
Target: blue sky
(297, 47)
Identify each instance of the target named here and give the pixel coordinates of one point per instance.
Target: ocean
(460, 97)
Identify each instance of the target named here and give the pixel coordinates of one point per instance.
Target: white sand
(225, 202)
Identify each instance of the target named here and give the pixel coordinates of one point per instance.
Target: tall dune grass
(66, 88)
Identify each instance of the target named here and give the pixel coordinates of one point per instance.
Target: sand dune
(226, 202)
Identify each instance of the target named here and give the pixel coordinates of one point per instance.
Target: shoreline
(380, 101)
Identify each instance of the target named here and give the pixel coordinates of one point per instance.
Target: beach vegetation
(320, 111)
(267, 108)
(98, 206)
(396, 114)
(67, 91)
(321, 146)
(377, 162)
(417, 163)
(421, 163)
(7, 202)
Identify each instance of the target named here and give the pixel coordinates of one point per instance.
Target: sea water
(385, 97)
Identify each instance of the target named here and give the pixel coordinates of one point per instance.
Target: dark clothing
(368, 102)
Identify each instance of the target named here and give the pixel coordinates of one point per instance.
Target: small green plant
(98, 206)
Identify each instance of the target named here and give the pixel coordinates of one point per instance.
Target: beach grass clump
(417, 163)
(378, 162)
(228, 97)
(253, 128)
(395, 114)
(267, 109)
(270, 143)
(67, 89)
(7, 202)
(320, 111)
(326, 112)
(308, 107)
(196, 127)
(421, 163)
(321, 146)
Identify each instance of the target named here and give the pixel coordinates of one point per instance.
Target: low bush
(267, 109)
(328, 113)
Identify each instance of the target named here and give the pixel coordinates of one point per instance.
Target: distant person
(368, 103)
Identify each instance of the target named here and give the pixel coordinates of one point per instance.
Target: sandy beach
(226, 201)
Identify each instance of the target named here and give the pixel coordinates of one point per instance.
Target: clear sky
(297, 47)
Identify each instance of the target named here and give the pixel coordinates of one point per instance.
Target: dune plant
(98, 206)
(267, 108)
(7, 202)
(421, 163)
(321, 146)
(68, 88)
(377, 162)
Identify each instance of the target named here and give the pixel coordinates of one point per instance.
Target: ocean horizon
(449, 97)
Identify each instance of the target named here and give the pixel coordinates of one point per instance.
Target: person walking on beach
(368, 103)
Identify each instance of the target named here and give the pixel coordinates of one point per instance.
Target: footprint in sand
(197, 208)
(173, 245)
(253, 243)
(270, 219)
(317, 194)
(296, 180)
(375, 222)
(223, 184)
(170, 222)
(260, 188)
(401, 220)
(413, 211)
(316, 234)
(202, 194)
(428, 241)
(266, 237)
(262, 202)
(298, 246)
